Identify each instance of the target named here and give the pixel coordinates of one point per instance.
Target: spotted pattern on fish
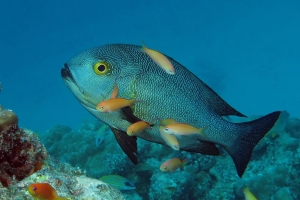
(182, 97)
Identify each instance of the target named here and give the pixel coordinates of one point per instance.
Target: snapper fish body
(182, 97)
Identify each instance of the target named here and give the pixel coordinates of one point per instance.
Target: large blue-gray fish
(92, 75)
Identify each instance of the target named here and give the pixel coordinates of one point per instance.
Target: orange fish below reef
(248, 194)
(183, 129)
(137, 127)
(43, 191)
(173, 164)
(114, 104)
(159, 59)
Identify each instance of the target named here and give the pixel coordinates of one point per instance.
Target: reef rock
(21, 152)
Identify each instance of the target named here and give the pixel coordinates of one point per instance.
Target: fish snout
(66, 73)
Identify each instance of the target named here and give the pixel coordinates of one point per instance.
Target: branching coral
(20, 150)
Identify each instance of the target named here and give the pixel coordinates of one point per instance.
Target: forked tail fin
(250, 134)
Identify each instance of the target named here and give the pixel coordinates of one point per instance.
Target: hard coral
(7, 119)
(20, 150)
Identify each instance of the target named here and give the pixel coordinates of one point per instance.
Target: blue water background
(248, 51)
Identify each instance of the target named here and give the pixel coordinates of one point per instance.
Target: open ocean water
(247, 51)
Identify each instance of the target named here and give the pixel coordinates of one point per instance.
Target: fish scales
(182, 97)
(198, 87)
(173, 99)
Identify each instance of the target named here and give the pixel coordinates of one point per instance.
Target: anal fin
(127, 143)
(206, 148)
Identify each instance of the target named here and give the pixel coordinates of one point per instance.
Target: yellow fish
(173, 164)
(248, 194)
(137, 127)
(159, 59)
(183, 129)
(167, 121)
(114, 104)
(42, 191)
(171, 140)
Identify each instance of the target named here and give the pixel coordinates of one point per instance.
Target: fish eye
(34, 188)
(102, 68)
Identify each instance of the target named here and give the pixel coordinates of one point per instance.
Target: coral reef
(68, 182)
(21, 156)
(79, 147)
(7, 119)
(272, 172)
(21, 152)
(293, 127)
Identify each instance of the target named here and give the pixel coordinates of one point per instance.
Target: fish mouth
(66, 73)
(74, 87)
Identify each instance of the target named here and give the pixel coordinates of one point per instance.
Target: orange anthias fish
(159, 59)
(115, 92)
(114, 104)
(173, 164)
(183, 129)
(167, 121)
(248, 194)
(43, 191)
(137, 127)
(170, 139)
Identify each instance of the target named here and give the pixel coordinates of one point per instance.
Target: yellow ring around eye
(102, 68)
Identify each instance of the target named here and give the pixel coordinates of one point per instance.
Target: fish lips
(74, 87)
(66, 73)
(69, 80)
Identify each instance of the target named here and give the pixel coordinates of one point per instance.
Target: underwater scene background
(248, 52)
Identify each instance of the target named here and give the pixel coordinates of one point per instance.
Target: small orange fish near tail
(183, 129)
